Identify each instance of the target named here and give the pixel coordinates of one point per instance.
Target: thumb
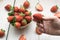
(49, 18)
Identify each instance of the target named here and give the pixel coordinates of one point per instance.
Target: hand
(50, 25)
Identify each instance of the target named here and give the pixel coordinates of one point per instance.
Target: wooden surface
(29, 32)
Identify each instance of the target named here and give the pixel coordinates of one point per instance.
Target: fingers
(39, 29)
(40, 25)
(50, 18)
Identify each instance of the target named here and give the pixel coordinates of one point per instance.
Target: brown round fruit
(8, 7)
(28, 18)
(22, 10)
(18, 18)
(26, 4)
(17, 25)
(39, 7)
(22, 37)
(10, 18)
(27, 13)
(2, 32)
(37, 16)
(16, 9)
(23, 22)
(54, 8)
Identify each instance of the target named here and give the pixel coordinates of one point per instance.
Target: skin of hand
(51, 25)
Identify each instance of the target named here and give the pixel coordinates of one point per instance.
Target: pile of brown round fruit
(19, 17)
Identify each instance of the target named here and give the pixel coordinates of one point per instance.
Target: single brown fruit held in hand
(22, 37)
(8, 7)
(57, 14)
(39, 7)
(2, 32)
(26, 4)
(54, 8)
(17, 25)
(38, 31)
(37, 16)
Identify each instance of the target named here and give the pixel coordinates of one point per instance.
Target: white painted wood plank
(3, 16)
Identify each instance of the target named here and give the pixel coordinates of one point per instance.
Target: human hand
(50, 25)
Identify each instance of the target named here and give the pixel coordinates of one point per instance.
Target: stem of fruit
(9, 24)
